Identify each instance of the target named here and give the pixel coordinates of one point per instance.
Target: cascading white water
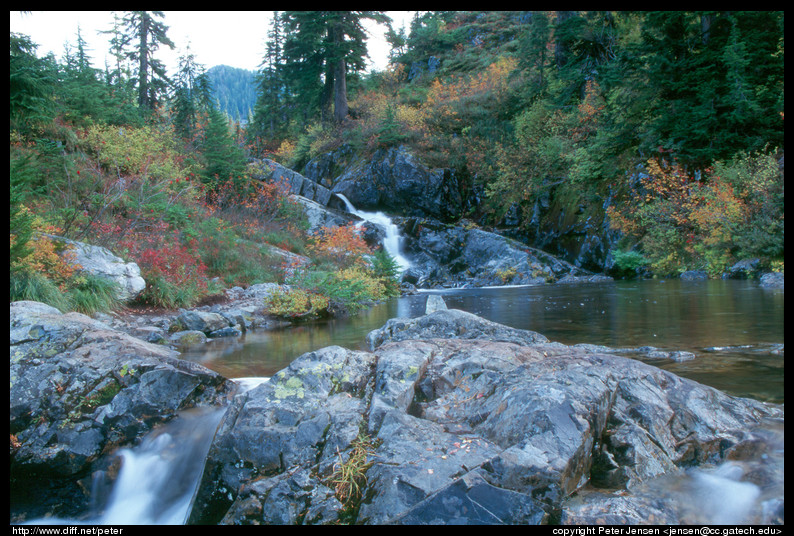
(391, 242)
(158, 478)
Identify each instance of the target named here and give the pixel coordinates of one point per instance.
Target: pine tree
(322, 48)
(192, 96)
(718, 81)
(81, 91)
(224, 159)
(270, 111)
(145, 35)
(32, 82)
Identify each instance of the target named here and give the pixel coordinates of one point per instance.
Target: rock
(455, 419)
(80, 388)
(449, 324)
(745, 269)
(320, 216)
(204, 322)
(226, 332)
(434, 303)
(464, 256)
(394, 180)
(678, 356)
(188, 337)
(294, 182)
(572, 279)
(100, 262)
(694, 275)
(772, 280)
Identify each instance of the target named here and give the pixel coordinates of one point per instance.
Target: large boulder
(101, 262)
(472, 423)
(80, 388)
(463, 255)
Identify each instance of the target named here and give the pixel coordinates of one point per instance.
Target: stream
(733, 328)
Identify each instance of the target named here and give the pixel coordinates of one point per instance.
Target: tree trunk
(143, 66)
(340, 91)
(560, 46)
(339, 74)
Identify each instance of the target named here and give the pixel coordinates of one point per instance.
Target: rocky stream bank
(447, 418)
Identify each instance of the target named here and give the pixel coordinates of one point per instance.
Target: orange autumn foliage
(343, 246)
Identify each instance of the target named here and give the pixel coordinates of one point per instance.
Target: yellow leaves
(295, 303)
(46, 259)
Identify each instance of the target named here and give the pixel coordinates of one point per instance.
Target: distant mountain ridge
(234, 89)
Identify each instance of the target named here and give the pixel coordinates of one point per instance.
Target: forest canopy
(667, 127)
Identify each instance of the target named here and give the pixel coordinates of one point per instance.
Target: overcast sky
(235, 38)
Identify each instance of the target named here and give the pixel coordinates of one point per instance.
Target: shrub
(386, 269)
(175, 277)
(343, 246)
(50, 258)
(293, 302)
(629, 261)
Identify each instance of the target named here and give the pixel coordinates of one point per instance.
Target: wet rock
(434, 303)
(468, 421)
(464, 256)
(772, 280)
(80, 388)
(394, 180)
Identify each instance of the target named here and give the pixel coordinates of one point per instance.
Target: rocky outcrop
(463, 255)
(320, 216)
(295, 183)
(78, 389)
(395, 181)
(453, 419)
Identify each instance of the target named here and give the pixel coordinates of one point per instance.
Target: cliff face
(397, 182)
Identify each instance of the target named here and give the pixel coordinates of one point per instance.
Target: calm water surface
(734, 328)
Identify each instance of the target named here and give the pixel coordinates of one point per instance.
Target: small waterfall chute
(158, 478)
(391, 240)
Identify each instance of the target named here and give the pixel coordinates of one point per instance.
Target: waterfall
(158, 478)
(391, 242)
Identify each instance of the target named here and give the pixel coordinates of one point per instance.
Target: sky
(234, 38)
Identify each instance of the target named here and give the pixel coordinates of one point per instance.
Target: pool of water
(734, 328)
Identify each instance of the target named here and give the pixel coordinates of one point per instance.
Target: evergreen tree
(270, 119)
(82, 93)
(192, 96)
(224, 159)
(718, 81)
(321, 49)
(145, 35)
(32, 82)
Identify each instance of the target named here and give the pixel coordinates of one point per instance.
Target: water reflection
(741, 320)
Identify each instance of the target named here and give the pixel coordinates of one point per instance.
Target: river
(734, 328)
